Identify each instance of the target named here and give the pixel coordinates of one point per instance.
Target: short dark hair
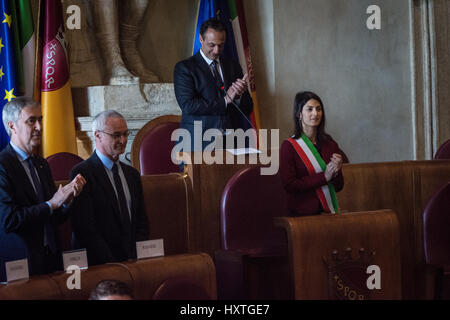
(107, 288)
(300, 100)
(212, 23)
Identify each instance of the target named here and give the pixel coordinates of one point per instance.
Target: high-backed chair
(253, 261)
(61, 164)
(168, 201)
(152, 147)
(437, 240)
(181, 288)
(443, 151)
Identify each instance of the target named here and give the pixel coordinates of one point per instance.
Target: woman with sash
(311, 161)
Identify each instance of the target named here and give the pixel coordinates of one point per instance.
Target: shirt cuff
(50, 206)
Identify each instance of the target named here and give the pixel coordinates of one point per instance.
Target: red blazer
(299, 185)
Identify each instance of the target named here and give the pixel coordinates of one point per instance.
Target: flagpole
(38, 55)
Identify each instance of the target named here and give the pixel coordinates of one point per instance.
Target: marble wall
(385, 91)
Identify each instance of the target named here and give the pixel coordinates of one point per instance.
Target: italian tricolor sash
(315, 164)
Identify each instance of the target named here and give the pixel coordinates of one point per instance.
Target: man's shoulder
(6, 156)
(85, 165)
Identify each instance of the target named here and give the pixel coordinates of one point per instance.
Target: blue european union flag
(8, 84)
(206, 10)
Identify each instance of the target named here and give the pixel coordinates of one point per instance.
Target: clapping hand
(237, 88)
(65, 194)
(333, 167)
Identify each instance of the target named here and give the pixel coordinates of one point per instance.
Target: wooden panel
(36, 288)
(313, 238)
(389, 185)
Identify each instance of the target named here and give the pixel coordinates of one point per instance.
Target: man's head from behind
(22, 119)
(111, 133)
(111, 290)
(212, 38)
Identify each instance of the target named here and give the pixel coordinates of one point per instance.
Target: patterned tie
(121, 197)
(49, 236)
(215, 70)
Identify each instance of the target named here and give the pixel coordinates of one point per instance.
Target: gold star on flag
(8, 20)
(1, 73)
(9, 95)
(1, 45)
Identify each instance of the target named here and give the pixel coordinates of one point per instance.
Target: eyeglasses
(117, 135)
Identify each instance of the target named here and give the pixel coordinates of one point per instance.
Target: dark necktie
(49, 236)
(121, 197)
(216, 73)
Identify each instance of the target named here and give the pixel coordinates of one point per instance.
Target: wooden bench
(142, 276)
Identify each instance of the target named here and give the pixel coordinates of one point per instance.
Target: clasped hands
(236, 89)
(65, 194)
(333, 167)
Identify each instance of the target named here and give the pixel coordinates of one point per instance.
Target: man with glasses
(110, 210)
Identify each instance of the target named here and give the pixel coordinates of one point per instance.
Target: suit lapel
(202, 65)
(105, 183)
(21, 174)
(43, 178)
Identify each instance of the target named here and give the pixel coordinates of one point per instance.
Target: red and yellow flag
(56, 95)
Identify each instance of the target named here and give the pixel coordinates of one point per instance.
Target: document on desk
(238, 152)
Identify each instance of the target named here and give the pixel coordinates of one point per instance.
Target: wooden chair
(62, 163)
(252, 263)
(444, 151)
(437, 240)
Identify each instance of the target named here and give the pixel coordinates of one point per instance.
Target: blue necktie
(49, 236)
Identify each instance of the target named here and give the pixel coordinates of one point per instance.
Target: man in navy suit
(210, 88)
(111, 215)
(31, 206)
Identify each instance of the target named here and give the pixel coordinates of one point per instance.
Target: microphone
(237, 107)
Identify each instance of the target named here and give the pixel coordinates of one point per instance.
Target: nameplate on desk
(150, 248)
(76, 257)
(17, 270)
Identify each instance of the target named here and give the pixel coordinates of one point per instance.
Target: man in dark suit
(210, 88)
(30, 205)
(111, 208)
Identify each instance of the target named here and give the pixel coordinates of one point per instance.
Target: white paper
(238, 152)
(150, 248)
(17, 270)
(75, 258)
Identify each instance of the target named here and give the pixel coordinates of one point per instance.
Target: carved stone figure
(117, 29)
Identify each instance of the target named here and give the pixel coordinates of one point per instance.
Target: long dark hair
(300, 100)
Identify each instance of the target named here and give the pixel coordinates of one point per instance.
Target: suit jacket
(22, 218)
(96, 221)
(200, 99)
(299, 185)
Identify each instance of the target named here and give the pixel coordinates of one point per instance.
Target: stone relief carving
(109, 33)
